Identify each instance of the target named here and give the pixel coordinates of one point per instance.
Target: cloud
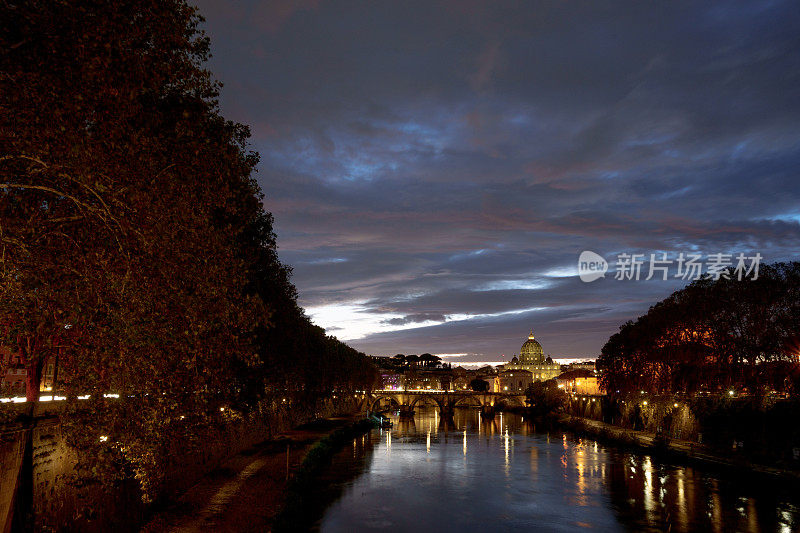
(486, 65)
(418, 317)
(272, 16)
(436, 168)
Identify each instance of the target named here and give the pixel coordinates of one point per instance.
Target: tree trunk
(33, 380)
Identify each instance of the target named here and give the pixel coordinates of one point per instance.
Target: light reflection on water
(473, 474)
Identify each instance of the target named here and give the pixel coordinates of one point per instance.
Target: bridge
(446, 401)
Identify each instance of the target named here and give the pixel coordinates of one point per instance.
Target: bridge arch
(426, 399)
(375, 402)
(469, 400)
(510, 400)
(445, 401)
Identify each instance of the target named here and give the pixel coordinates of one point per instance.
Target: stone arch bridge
(446, 401)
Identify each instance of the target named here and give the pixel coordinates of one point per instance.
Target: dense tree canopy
(479, 385)
(712, 335)
(134, 248)
(544, 397)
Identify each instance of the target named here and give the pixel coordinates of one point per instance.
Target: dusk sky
(436, 168)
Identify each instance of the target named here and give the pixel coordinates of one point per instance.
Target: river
(470, 474)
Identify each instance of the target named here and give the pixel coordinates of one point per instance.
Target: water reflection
(477, 474)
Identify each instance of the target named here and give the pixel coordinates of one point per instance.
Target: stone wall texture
(763, 429)
(665, 414)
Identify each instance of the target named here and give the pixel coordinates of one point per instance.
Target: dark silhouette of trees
(425, 360)
(479, 385)
(712, 335)
(544, 397)
(412, 360)
(134, 247)
(429, 360)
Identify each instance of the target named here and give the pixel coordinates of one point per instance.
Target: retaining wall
(45, 478)
(764, 429)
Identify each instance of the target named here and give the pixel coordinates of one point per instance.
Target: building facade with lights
(512, 381)
(14, 375)
(532, 359)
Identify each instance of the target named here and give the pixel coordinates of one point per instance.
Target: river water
(470, 474)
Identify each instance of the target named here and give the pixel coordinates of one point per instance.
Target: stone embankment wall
(666, 414)
(43, 483)
(762, 429)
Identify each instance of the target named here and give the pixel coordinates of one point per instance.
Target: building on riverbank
(579, 365)
(532, 359)
(399, 376)
(579, 382)
(512, 381)
(391, 380)
(14, 375)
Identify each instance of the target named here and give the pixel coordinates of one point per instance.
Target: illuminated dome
(531, 352)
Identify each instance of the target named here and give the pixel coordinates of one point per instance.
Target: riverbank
(303, 500)
(248, 491)
(684, 450)
(43, 488)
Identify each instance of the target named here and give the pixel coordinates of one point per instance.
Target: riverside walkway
(246, 492)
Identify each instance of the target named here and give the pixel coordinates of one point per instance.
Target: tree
(479, 385)
(124, 197)
(133, 242)
(711, 335)
(544, 396)
(429, 360)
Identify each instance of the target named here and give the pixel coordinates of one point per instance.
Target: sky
(436, 168)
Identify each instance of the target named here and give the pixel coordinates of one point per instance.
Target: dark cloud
(416, 317)
(435, 168)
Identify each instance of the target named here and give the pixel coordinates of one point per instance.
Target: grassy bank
(295, 516)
